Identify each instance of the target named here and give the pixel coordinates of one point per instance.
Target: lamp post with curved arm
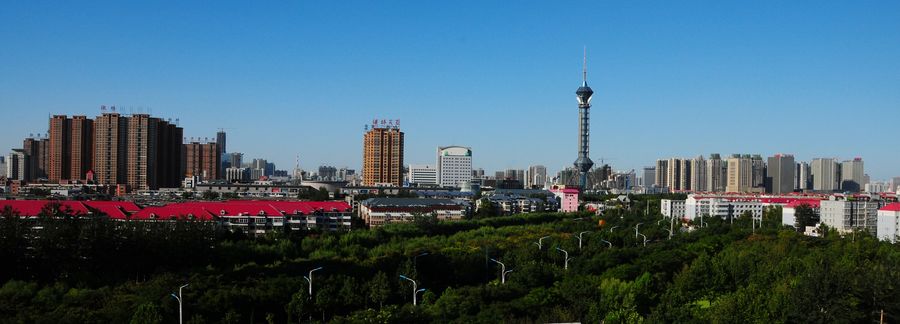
(309, 279)
(503, 271)
(178, 298)
(607, 242)
(566, 262)
(540, 242)
(580, 238)
(415, 291)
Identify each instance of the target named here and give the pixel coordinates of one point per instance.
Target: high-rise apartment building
(81, 147)
(740, 174)
(780, 175)
(202, 160)
(141, 149)
(3, 167)
(662, 173)
(698, 174)
(853, 175)
(536, 177)
(59, 153)
(825, 174)
(16, 165)
(803, 181)
(673, 175)
(383, 157)
(110, 145)
(716, 173)
(758, 170)
(649, 176)
(454, 165)
(235, 160)
(36, 151)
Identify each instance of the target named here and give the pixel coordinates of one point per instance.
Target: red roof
(173, 211)
(895, 207)
(32, 208)
(814, 203)
(114, 209)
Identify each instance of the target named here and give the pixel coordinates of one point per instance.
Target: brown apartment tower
(110, 130)
(202, 160)
(70, 151)
(383, 157)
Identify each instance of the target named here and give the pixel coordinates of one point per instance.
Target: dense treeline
(724, 272)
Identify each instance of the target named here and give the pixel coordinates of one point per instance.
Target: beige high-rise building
(141, 163)
(109, 149)
(825, 174)
(662, 173)
(674, 174)
(740, 174)
(383, 157)
(716, 173)
(698, 174)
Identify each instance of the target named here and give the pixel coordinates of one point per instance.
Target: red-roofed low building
(889, 222)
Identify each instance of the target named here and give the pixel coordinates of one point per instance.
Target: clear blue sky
(671, 78)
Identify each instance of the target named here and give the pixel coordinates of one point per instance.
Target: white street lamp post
(503, 271)
(566, 262)
(636, 230)
(309, 279)
(180, 309)
(607, 242)
(415, 291)
(540, 242)
(580, 238)
(645, 238)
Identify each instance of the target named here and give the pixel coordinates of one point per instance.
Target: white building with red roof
(889, 223)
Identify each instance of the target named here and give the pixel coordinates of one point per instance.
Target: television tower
(584, 164)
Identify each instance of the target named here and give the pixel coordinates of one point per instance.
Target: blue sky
(671, 78)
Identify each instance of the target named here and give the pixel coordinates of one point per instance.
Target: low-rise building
(847, 215)
(380, 211)
(672, 208)
(567, 196)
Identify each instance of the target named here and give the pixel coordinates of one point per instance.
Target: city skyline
(795, 68)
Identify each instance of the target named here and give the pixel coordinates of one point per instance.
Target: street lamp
(416, 261)
(503, 271)
(612, 228)
(579, 238)
(607, 242)
(415, 291)
(636, 230)
(178, 298)
(309, 279)
(540, 242)
(645, 239)
(566, 262)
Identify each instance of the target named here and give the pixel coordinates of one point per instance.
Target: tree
(210, 195)
(147, 313)
(804, 216)
(485, 210)
(379, 289)
(297, 306)
(187, 195)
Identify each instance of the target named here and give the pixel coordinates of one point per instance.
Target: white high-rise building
(824, 173)
(852, 175)
(16, 165)
(536, 177)
(649, 176)
(454, 165)
(422, 174)
(846, 216)
(803, 175)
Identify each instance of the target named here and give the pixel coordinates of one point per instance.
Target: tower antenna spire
(584, 67)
